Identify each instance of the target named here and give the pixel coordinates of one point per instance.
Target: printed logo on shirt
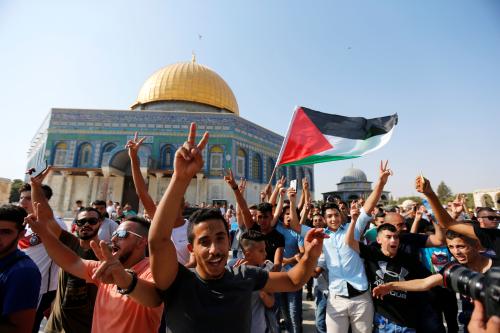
(385, 275)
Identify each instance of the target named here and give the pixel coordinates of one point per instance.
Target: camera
(484, 288)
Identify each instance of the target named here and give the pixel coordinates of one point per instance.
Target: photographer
(466, 252)
(478, 323)
(488, 237)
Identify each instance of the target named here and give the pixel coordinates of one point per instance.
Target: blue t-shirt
(19, 284)
(292, 242)
(435, 258)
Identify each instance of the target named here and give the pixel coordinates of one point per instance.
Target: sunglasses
(122, 234)
(491, 218)
(90, 221)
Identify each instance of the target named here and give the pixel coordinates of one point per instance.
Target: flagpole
(272, 175)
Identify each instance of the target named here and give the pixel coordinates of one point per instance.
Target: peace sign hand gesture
(385, 172)
(229, 179)
(134, 144)
(110, 269)
(188, 160)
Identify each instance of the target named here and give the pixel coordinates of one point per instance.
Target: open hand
(313, 242)
(381, 290)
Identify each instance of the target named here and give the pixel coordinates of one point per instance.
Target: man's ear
(378, 240)
(190, 247)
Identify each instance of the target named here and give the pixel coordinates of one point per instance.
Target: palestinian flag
(316, 137)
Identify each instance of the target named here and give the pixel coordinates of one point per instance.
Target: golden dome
(188, 81)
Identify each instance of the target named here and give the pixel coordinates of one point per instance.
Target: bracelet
(235, 187)
(132, 285)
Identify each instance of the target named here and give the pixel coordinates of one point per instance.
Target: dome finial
(193, 57)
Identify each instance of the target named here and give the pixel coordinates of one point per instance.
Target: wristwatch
(132, 285)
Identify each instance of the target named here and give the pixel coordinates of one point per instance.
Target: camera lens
(464, 281)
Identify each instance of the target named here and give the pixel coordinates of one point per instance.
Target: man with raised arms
(211, 298)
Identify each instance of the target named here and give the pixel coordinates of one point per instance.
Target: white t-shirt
(106, 229)
(180, 240)
(36, 251)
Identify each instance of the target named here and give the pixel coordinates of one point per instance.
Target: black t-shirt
(74, 302)
(398, 306)
(274, 240)
(412, 243)
(489, 238)
(223, 305)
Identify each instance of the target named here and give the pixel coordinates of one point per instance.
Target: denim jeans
(320, 312)
(384, 325)
(291, 309)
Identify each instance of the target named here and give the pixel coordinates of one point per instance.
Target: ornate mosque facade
(354, 185)
(86, 147)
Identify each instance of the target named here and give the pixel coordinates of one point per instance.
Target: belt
(353, 293)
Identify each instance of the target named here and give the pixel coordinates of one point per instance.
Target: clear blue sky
(435, 63)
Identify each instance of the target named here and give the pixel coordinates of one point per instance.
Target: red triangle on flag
(304, 139)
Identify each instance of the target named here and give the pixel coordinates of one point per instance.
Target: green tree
(14, 190)
(444, 193)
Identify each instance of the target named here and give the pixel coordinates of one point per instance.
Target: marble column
(90, 183)
(158, 175)
(199, 179)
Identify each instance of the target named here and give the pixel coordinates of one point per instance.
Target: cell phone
(293, 184)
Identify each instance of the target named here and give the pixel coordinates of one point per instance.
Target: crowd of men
(367, 267)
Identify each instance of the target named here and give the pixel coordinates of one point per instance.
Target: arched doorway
(487, 201)
(121, 162)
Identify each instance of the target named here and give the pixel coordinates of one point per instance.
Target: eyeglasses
(491, 218)
(90, 221)
(122, 234)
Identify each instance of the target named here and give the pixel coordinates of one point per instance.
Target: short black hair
(47, 191)
(203, 215)
(452, 235)
(253, 207)
(484, 209)
(89, 209)
(13, 214)
(380, 214)
(141, 222)
(386, 226)
(265, 207)
(329, 205)
(99, 203)
(249, 237)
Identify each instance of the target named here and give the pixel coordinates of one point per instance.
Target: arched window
(300, 174)
(487, 201)
(85, 155)
(241, 157)
(167, 157)
(216, 158)
(106, 149)
(257, 168)
(281, 172)
(269, 169)
(311, 180)
(60, 154)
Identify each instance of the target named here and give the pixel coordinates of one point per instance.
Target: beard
(9, 248)
(124, 257)
(88, 236)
